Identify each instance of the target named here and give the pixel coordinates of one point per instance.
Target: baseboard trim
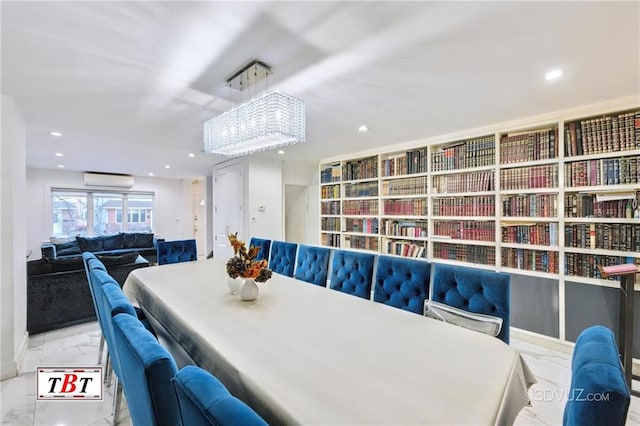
(555, 344)
(21, 353)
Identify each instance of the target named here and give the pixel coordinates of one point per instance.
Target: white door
(228, 211)
(199, 223)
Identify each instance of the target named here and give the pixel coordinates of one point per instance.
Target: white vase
(249, 290)
(235, 284)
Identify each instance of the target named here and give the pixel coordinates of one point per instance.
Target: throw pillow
(68, 248)
(70, 264)
(128, 240)
(90, 244)
(144, 240)
(123, 259)
(113, 242)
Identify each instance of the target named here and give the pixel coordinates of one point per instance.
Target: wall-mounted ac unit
(107, 179)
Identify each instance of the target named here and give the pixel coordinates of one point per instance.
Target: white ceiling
(129, 84)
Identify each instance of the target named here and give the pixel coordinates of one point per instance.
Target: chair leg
(100, 349)
(117, 402)
(109, 371)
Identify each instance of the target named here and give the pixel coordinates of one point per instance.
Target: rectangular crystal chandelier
(271, 120)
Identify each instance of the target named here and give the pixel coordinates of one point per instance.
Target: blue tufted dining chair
(204, 401)
(91, 262)
(147, 370)
(264, 245)
(599, 394)
(403, 283)
(474, 290)
(113, 302)
(352, 273)
(312, 265)
(177, 251)
(283, 257)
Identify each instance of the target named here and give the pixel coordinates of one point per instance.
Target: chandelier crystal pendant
(271, 120)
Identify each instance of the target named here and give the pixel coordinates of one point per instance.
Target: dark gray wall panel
(535, 304)
(588, 305)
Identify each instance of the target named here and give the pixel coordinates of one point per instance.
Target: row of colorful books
(360, 207)
(478, 205)
(366, 168)
(330, 224)
(361, 242)
(361, 189)
(330, 207)
(531, 146)
(404, 248)
(330, 240)
(410, 162)
(530, 260)
(466, 230)
(477, 152)
(417, 229)
(586, 265)
(330, 173)
(587, 205)
(530, 205)
(544, 234)
(464, 182)
(465, 253)
(407, 186)
(612, 171)
(611, 133)
(529, 177)
(603, 236)
(408, 207)
(366, 225)
(329, 191)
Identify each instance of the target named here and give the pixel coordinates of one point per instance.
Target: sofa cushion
(68, 248)
(144, 240)
(39, 267)
(67, 264)
(90, 244)
(123, 259)
(112, 242)
(128, 240)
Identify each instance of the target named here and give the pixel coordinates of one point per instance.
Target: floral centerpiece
(244, 264)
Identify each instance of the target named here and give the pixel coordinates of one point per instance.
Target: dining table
(306, 354)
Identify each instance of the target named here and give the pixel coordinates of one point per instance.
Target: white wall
(173, 213)
(13, 289)
(263, 187)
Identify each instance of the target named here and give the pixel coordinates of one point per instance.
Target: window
(92, 213)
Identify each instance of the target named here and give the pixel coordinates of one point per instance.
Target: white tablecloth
(303, 354)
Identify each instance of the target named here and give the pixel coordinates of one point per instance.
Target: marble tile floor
(78, 346)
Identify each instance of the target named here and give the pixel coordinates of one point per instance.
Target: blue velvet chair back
(177, 251)
(352, 273)
(264, 245)
(91, 263)
(204, 401)
(283, 258)
(403, 283)
(599, 394)
(312, 265)
(114, 302)
(147, 372)
(474, 290)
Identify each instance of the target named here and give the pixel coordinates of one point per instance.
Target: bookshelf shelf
(460, 194)
(530, 247)
(449, 240)
(603, 252)
(613, 154)
(463, 170)
(530, 273)
(529, 163)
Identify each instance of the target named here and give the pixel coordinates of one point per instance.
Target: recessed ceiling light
(151, 174)
(191, 155)
(167, 166)
(553, 74)
(61, 166)
(280, 152)
(363, 128)
(59, 154)
(56, 134)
